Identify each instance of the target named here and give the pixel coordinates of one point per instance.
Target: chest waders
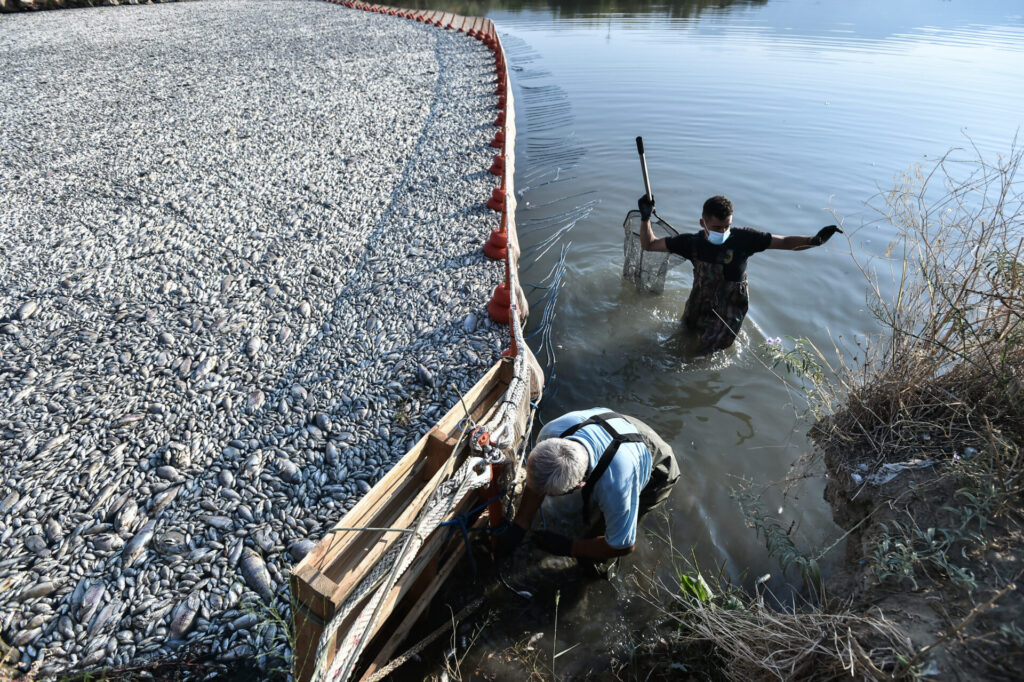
(608, 454)
(716, 306)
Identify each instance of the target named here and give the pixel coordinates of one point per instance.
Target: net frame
(645, 269)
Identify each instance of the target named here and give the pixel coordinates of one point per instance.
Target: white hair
(556, 466)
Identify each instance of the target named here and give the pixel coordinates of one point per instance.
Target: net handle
(643, 166)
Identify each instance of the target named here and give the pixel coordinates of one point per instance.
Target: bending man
(622, 468)
(718, 301)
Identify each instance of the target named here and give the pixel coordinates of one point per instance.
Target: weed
(777, 540)
(719, 633)
(899, 551)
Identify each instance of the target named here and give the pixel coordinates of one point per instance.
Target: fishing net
(645, 269)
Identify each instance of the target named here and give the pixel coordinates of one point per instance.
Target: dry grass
(720, 633)
(948, 368)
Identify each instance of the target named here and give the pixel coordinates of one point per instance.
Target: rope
(426, 641)
(381, 580)
(461, 522)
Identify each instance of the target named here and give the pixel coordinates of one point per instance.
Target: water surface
(793, 109)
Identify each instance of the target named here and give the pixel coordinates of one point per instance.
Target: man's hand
(508, 540)
(824, 234)
(553, 543)
(646, 206)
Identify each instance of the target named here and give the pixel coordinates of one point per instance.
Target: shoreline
(209, 352)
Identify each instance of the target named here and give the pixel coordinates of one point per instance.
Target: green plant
(900, 551)
(803, 359)
(777, 540)
(282, 642)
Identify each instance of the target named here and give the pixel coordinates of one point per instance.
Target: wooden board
(322, 581)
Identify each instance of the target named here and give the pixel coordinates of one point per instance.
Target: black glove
(646, 206)
(824, 234)
(553, 543)
(508, 540)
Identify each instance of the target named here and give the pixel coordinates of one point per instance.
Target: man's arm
(647, 240)
(790, 243)
(528, 507)
(799, 243)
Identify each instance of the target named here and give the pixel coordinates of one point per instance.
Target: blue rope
(461, 522)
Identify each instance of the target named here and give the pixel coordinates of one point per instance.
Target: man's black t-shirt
(743, 242)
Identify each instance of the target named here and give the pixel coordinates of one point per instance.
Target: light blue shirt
(617, 492)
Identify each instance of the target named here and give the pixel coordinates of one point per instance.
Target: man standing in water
(718, 301)
(617, 460)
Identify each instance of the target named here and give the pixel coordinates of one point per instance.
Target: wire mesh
(645, 269)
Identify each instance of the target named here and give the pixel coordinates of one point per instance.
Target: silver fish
(125, 518)
(183, 615)
(53, 444)
(101, 497)
(137, 545)
(91, 601)
(256, 574)
(38, 590)
(300, 549)
(26, 636)
(163, 499)
(104, 618)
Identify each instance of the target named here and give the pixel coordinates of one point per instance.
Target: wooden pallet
(322, 581)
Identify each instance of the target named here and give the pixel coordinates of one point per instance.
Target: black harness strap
(609, 453)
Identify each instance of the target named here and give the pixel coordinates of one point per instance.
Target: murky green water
(790, 108)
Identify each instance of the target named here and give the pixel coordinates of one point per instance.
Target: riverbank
(230, 304)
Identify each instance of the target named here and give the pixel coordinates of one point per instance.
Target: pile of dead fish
(241, 276)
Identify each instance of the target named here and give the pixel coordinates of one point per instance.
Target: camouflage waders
(716, 307)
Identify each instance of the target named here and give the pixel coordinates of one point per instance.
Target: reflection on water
(793, 109)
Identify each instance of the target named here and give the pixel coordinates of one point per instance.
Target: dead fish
(183, 615)
(126, 517)
(35, 544)
(53, 444)
(168, 473)
(137, 545)
(216, 520)
(163, 498)
(253, 346)
(38, 590)
(54, 532)
(300, 549)
(104, 618)
(21, 395)
(255, 401)
(26, 310)
(116, 505)
(101, 498)
(26, 636)
(9, 501)
(235, 554)
(289, 471)
(129, 419)
(91, 601)
(171, 542)
(107, 542)
(79, 593)
(205, 367)
(256, 574)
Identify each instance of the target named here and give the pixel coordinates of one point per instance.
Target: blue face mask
(718, 237)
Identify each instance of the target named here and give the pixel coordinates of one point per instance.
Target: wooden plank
(405, 520)
(326, 576)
